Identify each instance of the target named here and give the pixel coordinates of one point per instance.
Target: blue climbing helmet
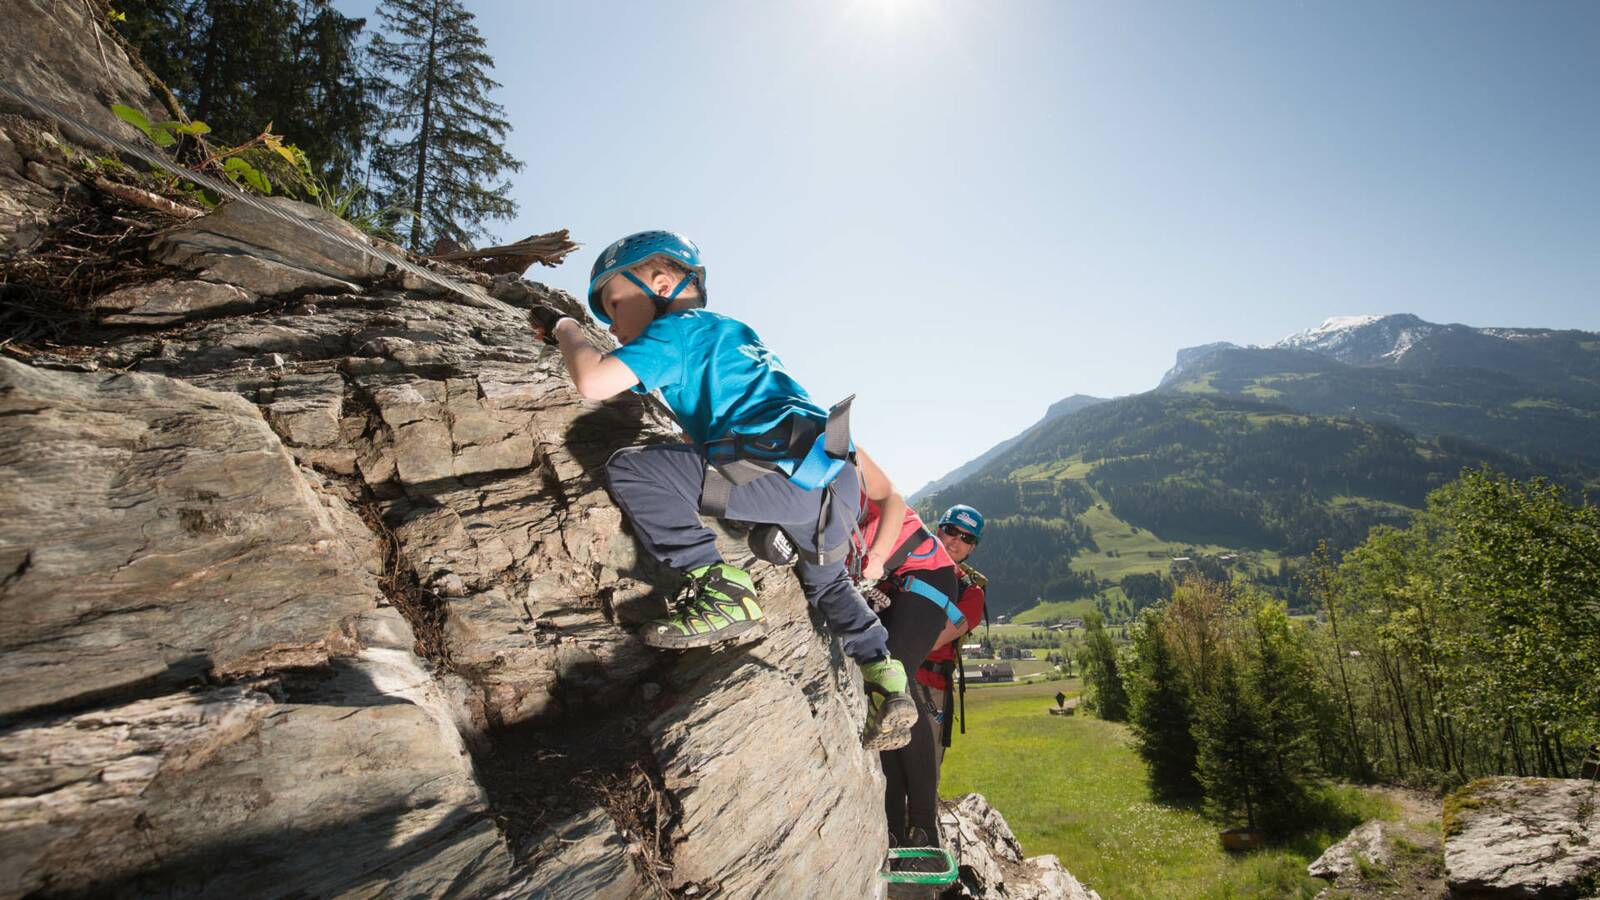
(965, 518)
(635, 249)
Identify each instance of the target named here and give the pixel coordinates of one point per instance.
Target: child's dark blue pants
(658, 487)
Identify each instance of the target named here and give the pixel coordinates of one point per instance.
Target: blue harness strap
(819, 467)
(922, 588)
(661, 302)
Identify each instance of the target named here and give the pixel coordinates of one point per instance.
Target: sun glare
(882, 13)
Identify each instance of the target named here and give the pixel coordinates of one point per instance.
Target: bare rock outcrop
(1369, 844)
(1523, 837)
(228, 510)
(155, 532)
(310, 579)
(264, 255)
(322, 588)
(52, 51)
(991, 860)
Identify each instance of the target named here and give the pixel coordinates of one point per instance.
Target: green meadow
(1123, 549)
(1073, 786)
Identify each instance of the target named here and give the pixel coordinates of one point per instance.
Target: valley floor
(1074, 787)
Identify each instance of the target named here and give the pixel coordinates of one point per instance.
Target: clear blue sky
(963, 212)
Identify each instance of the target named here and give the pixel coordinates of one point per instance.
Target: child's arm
(596, 375)
(891, 512)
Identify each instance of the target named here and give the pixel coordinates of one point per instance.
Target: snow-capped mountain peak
(1362, 340)
(1329, 328)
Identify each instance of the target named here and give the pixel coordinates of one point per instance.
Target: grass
(1541, 404)
(1055, 609)
(1134, 547)
(1384, 507)
(1201, 385)
(1073, 786)
(1019, 667)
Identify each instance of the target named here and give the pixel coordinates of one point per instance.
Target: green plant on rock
(1463, 801)
(260, 165)
(227, 162)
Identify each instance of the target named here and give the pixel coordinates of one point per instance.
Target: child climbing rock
(762, 452)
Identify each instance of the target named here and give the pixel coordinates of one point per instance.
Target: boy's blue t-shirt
(715, 374)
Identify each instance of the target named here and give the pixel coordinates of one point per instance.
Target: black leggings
(911, 774)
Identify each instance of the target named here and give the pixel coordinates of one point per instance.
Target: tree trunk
(208, 66)
(1349, 702)
(425, 135)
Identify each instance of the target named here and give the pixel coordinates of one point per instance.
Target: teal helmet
(635, 249)
(965, 518)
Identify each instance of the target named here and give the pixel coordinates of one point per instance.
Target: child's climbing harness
(810, 454)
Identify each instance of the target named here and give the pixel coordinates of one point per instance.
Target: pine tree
(1162, 713)
(1107, 695)
(1283, 681)
(1233, 765)
(241, 65)
(159, 30)
(332, 109)
(241, 68)
(443, 148)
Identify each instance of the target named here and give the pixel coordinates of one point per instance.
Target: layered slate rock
(168, 300)
(317, 588)
(355, 781)
(152, 532)
(52, 52)
(248, 248)
(487, 468)
(447, 455)
(26, 198)
(1523, 837)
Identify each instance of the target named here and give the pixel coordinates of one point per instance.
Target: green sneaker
(717, 604)
(890, 710)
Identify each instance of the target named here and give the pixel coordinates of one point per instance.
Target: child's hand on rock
(543, 319)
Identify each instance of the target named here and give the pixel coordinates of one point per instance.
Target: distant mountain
(1118, 488)
(1530, 391)
(1190, 358)
(1254, 454)
(1057, 409)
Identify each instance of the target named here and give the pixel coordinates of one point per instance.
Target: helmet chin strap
(661, 302)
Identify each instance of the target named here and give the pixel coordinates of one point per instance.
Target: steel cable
(223, 188)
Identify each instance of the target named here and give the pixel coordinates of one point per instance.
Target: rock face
(206, 554)
(1523, 837)
(244, 247)
(53, 51)
(50, 53)
(318, 586)
(222, 557)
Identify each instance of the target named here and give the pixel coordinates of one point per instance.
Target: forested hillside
(1182, 470)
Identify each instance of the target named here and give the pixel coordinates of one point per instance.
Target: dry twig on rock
(148, 200)
(514, 259)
